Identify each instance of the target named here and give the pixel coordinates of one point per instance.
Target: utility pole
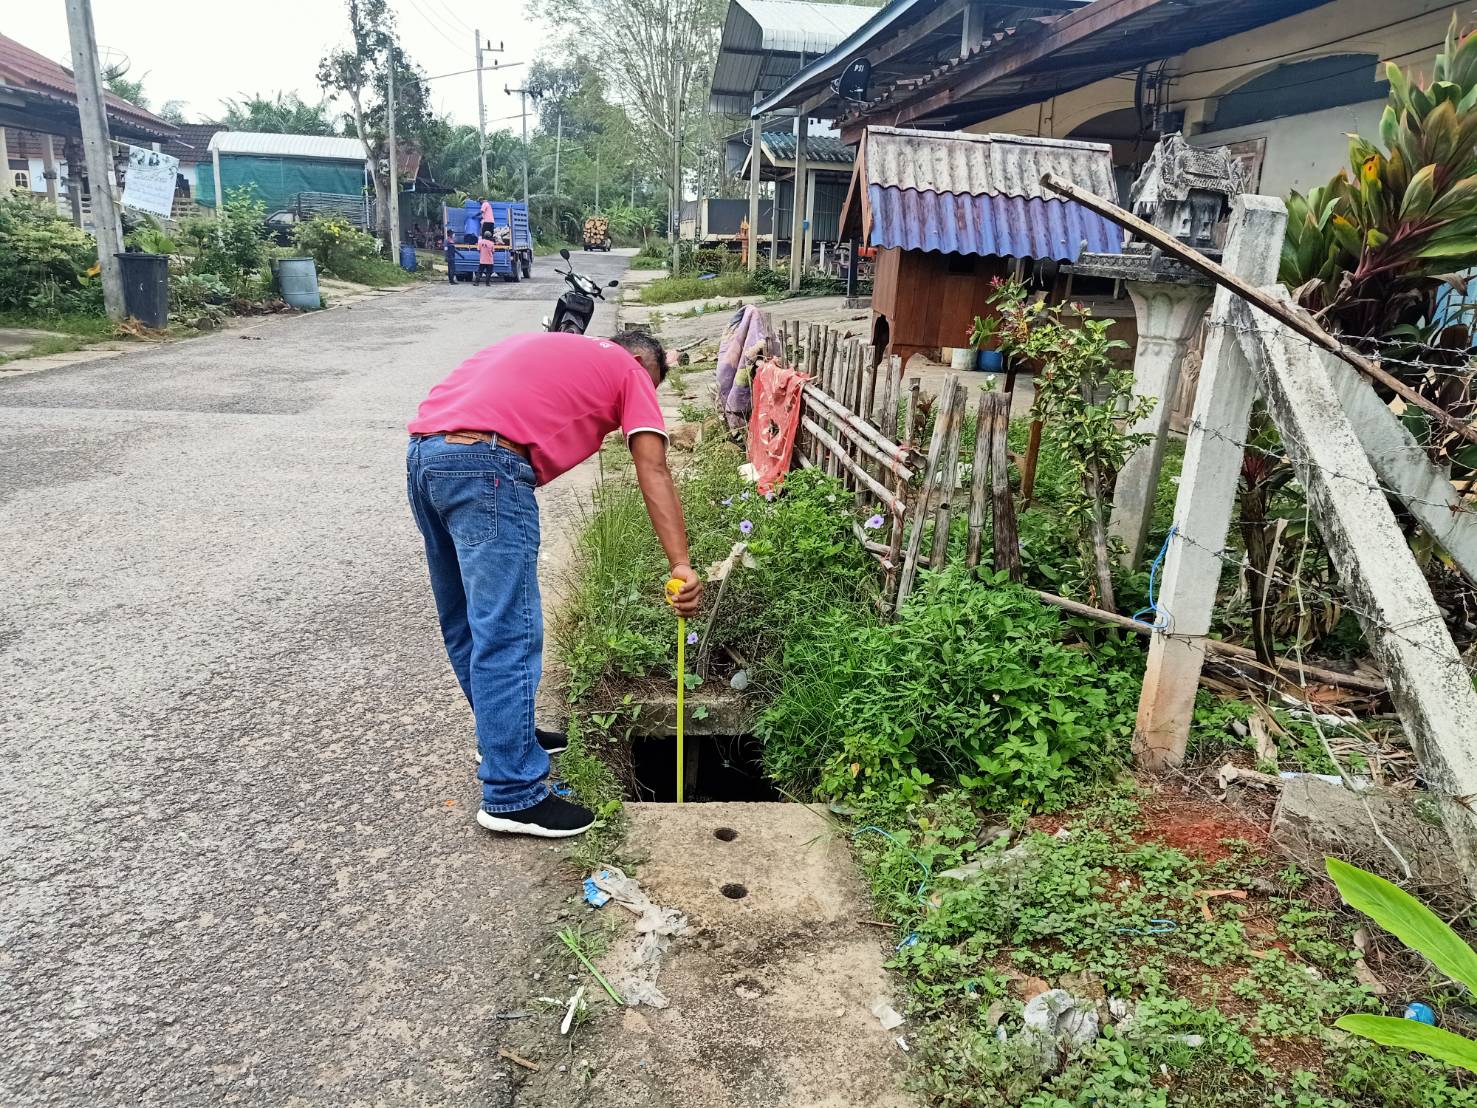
(523, 93)
(394, 167)
(94, 117)
(481, 113)
(676, 167)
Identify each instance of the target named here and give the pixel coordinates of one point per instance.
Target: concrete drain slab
(770, 991)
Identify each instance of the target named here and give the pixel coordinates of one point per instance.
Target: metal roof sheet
(989, 224)
(765, 42)
(322, 147)
(780, 146)
(961, 162)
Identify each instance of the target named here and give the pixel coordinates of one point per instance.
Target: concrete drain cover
(734, 891)
(727, 834)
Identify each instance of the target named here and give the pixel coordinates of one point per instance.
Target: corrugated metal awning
(961, 193)
(988, 224)
(765, 42)
(322, 147)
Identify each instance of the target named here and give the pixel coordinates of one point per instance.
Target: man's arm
(649, 452)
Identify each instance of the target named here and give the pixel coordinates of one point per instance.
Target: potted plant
(981, 337)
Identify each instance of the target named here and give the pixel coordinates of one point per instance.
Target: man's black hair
(643, 344)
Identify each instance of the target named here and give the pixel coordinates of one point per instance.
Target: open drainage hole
(718, 768)
(727, 834)
(734, 891)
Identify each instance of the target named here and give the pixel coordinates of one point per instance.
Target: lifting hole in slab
(727, 834)
(734, 891)
(719, 768)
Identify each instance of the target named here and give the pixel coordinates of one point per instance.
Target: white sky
(197, 54)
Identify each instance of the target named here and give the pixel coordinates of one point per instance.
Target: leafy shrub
(233, 246)
(193, 291)
(334, 243)
(151, 237)
(974, 683)
(47, 261)
(669, 290)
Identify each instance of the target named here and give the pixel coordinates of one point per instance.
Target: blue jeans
(476, 510)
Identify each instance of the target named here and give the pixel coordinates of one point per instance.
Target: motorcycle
(576, 307)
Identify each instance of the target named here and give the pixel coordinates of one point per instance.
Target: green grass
(670, 290)
(70, 323)
(376, 272)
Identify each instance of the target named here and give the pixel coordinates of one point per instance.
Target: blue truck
(512, 258)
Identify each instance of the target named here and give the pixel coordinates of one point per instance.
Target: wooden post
(948, 480)
(756, 155)
(797, 205)
(983, 436)
(1207, 492)
(895, 543)
(48, 169)
(1033, 450)
(1429, 684)
(1006, 537)
(948, 397)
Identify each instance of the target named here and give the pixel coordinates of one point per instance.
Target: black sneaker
(550, 818)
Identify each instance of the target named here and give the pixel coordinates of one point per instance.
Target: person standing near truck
(511, 417)
(485, 250)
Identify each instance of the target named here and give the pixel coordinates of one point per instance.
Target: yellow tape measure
(674, 587)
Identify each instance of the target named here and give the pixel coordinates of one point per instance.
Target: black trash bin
(146, 288)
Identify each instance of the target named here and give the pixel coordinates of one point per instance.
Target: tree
(173, 111)
(116, 78)
(656, 55)
(284, 113)
(361, 71)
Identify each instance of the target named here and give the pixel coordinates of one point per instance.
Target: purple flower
(746, 526)
(744, 495)
(873, 523)
(727, 502)
(692, 638)
(769, 495)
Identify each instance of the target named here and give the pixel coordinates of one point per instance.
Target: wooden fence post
(1004, 532)
(945, 404)
(948, 482)
(979, 478)
(1202, 511)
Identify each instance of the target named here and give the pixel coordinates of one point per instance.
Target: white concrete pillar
(797, 220)
(5, 178)
(1202, 510)
(48, 164)
(1169, 314)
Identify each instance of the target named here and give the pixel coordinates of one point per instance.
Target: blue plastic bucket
(407, 257)
(991, 361)
(297, 279)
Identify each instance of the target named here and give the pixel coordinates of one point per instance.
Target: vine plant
(1084, 400)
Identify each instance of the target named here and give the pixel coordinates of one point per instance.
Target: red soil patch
(1196, 826)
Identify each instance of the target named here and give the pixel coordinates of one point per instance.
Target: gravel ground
(238, 862)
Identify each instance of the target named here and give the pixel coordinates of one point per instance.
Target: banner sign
(149, 182)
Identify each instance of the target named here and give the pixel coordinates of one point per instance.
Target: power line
(435, 26)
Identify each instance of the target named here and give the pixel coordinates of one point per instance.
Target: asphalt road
(238, 862)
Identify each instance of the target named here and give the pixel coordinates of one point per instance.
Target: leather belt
(467, 438)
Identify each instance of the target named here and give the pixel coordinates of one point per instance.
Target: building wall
(1302, 150)
(1298, 149)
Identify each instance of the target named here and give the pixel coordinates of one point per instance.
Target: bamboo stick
(935, 448)
(978, 494)
(1007, 545)
(896, 455)
(948, 482)
(895, 542)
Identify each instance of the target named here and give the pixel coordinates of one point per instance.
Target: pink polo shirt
(557, 394)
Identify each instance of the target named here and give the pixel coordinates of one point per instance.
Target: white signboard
(149, 183)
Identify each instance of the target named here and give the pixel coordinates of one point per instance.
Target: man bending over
(511, 417)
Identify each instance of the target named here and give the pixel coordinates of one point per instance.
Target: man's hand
(690, 598)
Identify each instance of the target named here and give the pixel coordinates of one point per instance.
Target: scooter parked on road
(576, 307)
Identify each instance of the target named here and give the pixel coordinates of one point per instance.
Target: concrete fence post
(1168, 314)
(1202, 512)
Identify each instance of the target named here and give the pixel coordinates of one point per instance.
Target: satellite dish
(112, 63)
(854, 80)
